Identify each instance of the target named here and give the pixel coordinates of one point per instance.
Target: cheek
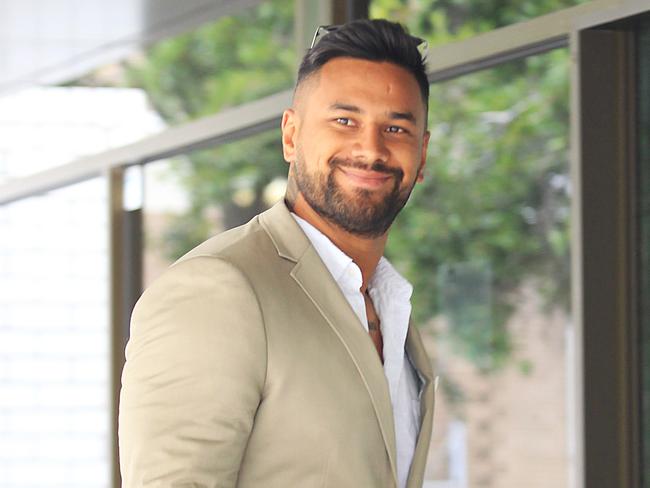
(317, 152)
(324, 138)
(312, 163)
(409, 159)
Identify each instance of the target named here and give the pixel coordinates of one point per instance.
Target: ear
(423, 156)
(289, 133)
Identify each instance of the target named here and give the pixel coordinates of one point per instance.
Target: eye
(395, 129)
(343, 121)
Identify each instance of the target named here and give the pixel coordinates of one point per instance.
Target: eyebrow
(402, 116)
(392, 115)
(346, 107)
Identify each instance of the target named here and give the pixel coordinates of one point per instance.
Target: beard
(356, 212)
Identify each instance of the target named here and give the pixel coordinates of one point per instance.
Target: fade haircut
(373, 40)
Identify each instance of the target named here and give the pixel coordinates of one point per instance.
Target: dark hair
(373, 40)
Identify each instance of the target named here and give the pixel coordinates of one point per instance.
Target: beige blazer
(246, 367)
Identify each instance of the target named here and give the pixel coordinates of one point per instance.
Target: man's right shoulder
(247, 251)
(239, 244)
(261, 254)
(226, 260)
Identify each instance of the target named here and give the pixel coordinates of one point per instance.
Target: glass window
(223, 63)
(202, 193)
(235, 59)
(54, 340)
(443, 21)
(44, 127)
(485, 242)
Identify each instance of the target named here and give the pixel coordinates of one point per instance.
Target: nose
(370, 145)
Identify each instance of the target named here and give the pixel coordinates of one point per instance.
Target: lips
(365, 178)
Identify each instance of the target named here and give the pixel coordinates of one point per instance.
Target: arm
(193, 379)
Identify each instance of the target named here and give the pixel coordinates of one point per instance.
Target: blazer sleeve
(193, 379)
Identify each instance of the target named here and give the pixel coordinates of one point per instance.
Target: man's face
(356, 143)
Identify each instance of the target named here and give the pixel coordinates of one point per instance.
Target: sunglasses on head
(323, 30)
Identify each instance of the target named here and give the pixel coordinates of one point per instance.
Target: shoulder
(244, 264)
(200, 307)
(233, 244)
(219, 263)
(237, 253)
(237, 264)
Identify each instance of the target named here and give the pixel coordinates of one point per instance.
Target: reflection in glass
(485, 241)
(54, 340)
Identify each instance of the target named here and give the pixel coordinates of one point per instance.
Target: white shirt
(391, 297)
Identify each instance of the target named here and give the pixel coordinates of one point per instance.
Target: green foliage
(496, 195)
(214, 176)
(441, 21)
(222, 64)
(493, 210)
(496, 192)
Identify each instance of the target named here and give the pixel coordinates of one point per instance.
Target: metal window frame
(605, 248)
(605, 110)
(116, 337)
(603, 279)
(225, 126)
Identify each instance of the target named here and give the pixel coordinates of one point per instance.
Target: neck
(365, 252)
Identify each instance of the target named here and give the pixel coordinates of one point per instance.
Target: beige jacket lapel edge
(312, 276)
(420, 359)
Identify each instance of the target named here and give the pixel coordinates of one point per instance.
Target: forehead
(381, 85)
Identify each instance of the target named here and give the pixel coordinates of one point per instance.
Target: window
(54, 340)
(204, 192)
(223, 63)
(235, 59)
(444, 21)
(485, 241)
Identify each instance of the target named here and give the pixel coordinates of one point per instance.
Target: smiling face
(356, 143)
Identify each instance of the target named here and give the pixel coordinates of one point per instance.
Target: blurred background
(130, 131)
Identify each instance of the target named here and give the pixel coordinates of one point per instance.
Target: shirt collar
(389, 283)
(385, 281)
(335, 260)
(390, 293)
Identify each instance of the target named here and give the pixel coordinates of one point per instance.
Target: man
(279, 354)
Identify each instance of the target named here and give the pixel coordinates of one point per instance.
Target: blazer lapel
(312, 276)
(420, 359)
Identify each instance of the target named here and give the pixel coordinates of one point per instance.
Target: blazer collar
(287, 236)
(312, 276)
